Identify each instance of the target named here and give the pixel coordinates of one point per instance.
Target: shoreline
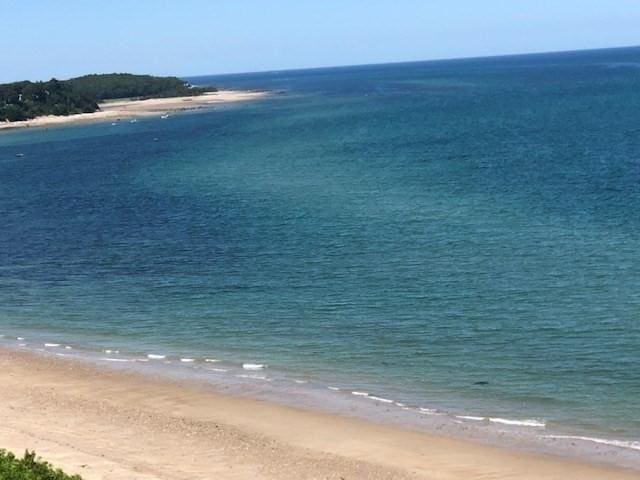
(115, 110)
(108, 423)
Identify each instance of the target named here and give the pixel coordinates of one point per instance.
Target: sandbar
(129, 109)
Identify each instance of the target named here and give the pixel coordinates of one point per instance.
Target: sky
(66, 38)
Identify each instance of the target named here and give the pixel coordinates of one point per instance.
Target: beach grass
(29, 467)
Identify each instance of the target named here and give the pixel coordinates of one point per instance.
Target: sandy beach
(129, 109)
(109, 424)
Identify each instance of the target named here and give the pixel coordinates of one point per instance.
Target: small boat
(19, 155)
(133, 121)
(114, 124)
(164, 116)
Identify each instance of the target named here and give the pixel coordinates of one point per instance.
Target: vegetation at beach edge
(29, 467)
(26, 100)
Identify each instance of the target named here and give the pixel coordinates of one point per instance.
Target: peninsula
(107, 97)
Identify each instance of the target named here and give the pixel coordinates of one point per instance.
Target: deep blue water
(411, 229)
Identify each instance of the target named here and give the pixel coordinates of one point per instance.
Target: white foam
(471, 417)
(141, 360)
(153, 356)
(335, 389)
(22, 344)
(519, 423)
(187, 360)
(253, 377)
(51, 344)
(380, 399)
(211, 360)
(299, 381)
(19, 338)
(116, 360)
(428, 411)
(67, 347)
(218, 369)
(614, 443)
(253, 366)
(111, 351)
(360, 394)
(400, 404)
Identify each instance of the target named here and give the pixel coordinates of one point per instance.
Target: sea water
(456, 240)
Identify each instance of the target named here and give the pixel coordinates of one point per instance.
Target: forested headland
(26, 100)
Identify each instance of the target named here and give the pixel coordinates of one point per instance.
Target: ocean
(449, 244)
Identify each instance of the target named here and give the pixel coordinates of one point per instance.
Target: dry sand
(108, 424)
(128, 109)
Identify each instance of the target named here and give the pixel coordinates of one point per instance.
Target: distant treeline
(25, 100)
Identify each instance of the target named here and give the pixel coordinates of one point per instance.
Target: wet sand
(110, 424)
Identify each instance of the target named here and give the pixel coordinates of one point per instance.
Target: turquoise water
(459, 235)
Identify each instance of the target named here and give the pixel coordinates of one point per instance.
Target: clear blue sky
(64, 38)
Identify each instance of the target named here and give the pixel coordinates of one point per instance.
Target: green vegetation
(29, 468)
(25, 100)
(125, 85)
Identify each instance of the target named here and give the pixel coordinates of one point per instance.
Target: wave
(504, 421)
(253, 366)
(153, 356)
(614, 443)
(380, 399)
(187, 360)
(428, 411)
(360, 394)
(521, 423)
(254, 377)
(471, 417)
(51, 344)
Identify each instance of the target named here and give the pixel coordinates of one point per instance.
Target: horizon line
(323, 67)
(404, 62)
